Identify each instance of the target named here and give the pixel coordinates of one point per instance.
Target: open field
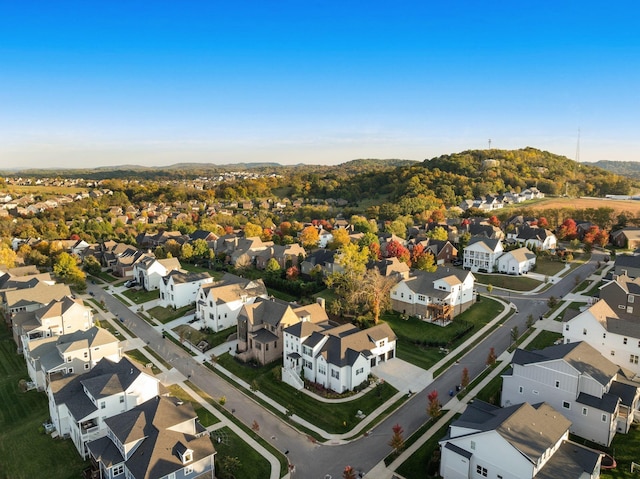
(42, 190)
(618, 206)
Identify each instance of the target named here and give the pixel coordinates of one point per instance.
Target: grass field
(229, 444)
(140, 296)
(543, 340)
(165, 315)
(583, 203)
(21, 433)
(142, 359)
(514, 283)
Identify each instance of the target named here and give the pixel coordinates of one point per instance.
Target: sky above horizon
(87, 84)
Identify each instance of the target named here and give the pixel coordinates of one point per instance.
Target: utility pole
(489, 143)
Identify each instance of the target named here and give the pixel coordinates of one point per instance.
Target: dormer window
(186, 456)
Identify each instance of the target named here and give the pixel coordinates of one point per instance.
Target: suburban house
(626, 238)
(160, 438)
(613, 332)
(437, 297)
(218, 303)
(59, 317)
(535, 237)
(260, 326)
(118, 257)
(627, 264)
(391, 267)
(517, 442)
(73, 353)
(324, 238)
(442, 250)
(148, 271)
(517, 261)
(480, 254)
(593, 393)
(31, 298)
(339, 358)
(321, 261)
(180, 288)
(621, 294)
(286, 255)
(79, 404)
(147, 240)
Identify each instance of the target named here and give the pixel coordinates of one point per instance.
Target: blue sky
(93, 83)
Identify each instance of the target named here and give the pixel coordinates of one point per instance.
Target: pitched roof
(489, 244)
(232, 287)
(41, 293)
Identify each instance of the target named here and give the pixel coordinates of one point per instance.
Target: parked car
(131, 283)
(457, 262)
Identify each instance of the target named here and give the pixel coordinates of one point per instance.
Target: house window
(473, 445)
(604, 418)
(86, 354)
(421, 297)
(604, 335)
(117, 470)
(172, 476)
(382, 343)
(633, 359)
(566, 404)
(584, 331)
(335, 374)
(520, 389)
(482, 471)
(188, 470)
(630, 309)
(70, 370)
(188, 456)
(584, 411)
(359, 371)
(557, 383)
(69, 359)
(613, 353)
(87, 366)
(624, 340)
(630, 299)
(402, 295)
(122, 398)
(322, 369)
(621, 306)
(566, 328)
(307, 364)
(103, 404)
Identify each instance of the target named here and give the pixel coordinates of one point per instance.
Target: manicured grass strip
(506, 281)
(140, 296)
(122, 300)
(165, 315)
(543, 340)
(141, 358)
(250, 463)
(477, 380)
(284, 464)
(183, 346)
(334, 418)
(158, 357)
(21, 432)
(423, 460)
(418, 355)
(491, 392)
(205, 417)
(106, 277)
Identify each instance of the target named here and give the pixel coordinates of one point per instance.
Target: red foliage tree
(396, 250)
(434, 407)
(568, 230)
(292, 273)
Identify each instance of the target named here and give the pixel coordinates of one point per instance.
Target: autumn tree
(272, 266)
(251, 230)
(7, 256)
(340, 238)
(348, 473)
(397, 438)
(309, 237)
(92, 265)
(186, 252)
(396, 250)
(292, 273)
(67, 269)
(172, 248)
(464, 380)
(423, 260)
(434, 407)
(374, 292)
(438, 233)
(568, 230)
(491, 358)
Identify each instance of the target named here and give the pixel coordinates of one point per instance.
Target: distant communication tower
(489, 143)
(578, 148)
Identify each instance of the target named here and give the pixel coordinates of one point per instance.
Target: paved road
(316, 461)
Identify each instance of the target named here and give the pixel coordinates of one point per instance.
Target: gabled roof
(346, 343)
(232, 287)
(521, 255)
(268, 311)
(421, 282)
(488, 244)
(183, 277)
(40, 294)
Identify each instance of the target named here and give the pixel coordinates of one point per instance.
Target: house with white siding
(437, 297)
(517, 261)
(180, 288)
(149, 271)
(339, 358)
(218, 303)
(613, 332)
(79, 404)
(158, 439)
(593, 393)
(73, 353)
(481, 253)
(518, 442)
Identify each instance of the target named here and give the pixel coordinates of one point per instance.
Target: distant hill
(625, 168)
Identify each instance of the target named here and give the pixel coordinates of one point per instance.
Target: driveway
(403, 376)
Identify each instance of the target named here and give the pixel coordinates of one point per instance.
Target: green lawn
(280, 295)
(625, 449)
(21, 433)
(334, 418)
(548, 267)
(142, 358)
(544, 339)
(419, 342)
(514, 283)
(197, 335)
(140, 296)
(106, 277)
(251, 463)
(165, 315)
(491, 392)
(205, 417)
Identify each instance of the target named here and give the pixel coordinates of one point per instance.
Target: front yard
(25, 450)
(140, 296)
(335, 418)
(166, 315)
(194, 336)
(506, 281)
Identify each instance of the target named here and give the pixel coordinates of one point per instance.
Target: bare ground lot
(618, 206)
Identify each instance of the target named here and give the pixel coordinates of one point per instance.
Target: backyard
(21, 433)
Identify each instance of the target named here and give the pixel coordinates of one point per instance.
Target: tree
(491, 358)
(292, 273)
(438, 233)
(434, 407)
(67, 269)
(309, 237)
(515, 334)
(397, 228)
(489, 288)
(7, 256)
(340, 238)
(568, 230)
(172, 247)
(424, 261)
(348, 473)
(530, 321)
(272, 266)
(251, 230)
(464, 381)
(92, 265)
(200, 248)
(374, 291)
(186, 252)
(397, 439)
(395, 250)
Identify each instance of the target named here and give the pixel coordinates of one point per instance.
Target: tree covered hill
(630, 169)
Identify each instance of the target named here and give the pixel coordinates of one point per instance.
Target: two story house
(588, 389)
(180, 288)
(149, 271)
(517, 261)
(480, 254)
(517, 442)
(437, 297)
(219, 303)
(160, 438)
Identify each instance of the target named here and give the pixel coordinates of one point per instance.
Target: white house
(540, 238)
(65, 316)
(149, 271)
(324, 238)
(180, 288)
(437, 296)
(517, 261)
(80, 404)
(588, 389)
(481, 253)
(516, 442)
(219, 303)
(159, 439)
(73, 353)
(614, 333)
(339, 358)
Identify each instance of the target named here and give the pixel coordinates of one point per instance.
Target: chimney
(322, 302)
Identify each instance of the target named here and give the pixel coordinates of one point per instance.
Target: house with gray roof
(627, 264)
(523, 441)
(481, 253)
(517, 261)
(437, 297)
(622, 293)
(337, 357)
(158, 439)
(36, 295)
(73, 353)
(79, 404)
(592, 392)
